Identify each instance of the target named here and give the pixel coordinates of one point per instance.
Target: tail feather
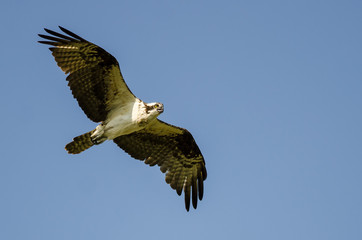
(80, 143)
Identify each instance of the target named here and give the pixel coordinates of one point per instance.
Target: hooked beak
(160, 109)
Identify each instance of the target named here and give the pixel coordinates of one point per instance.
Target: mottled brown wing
(175, 151)
(94, 76)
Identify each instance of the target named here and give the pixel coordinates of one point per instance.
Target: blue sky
(271, 91)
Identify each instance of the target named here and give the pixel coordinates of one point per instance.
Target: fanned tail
(80, 143)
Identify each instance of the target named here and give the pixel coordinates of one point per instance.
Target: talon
(98, 140)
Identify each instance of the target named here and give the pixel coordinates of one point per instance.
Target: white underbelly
(120, 125)
(122, 121)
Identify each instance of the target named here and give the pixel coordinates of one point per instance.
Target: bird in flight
(96, 82)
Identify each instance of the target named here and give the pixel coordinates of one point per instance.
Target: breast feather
(122, 121)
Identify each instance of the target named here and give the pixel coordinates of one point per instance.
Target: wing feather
(71, 34)
(61, 35)
(187, 197)
(175, 151)
(94, 76)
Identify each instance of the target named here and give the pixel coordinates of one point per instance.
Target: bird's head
(154, 109)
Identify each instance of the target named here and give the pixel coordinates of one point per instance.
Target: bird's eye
(156, 105)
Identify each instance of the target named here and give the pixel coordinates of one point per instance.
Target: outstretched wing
(94, 75)
(175, 151)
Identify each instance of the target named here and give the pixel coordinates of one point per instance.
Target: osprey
(97, 83)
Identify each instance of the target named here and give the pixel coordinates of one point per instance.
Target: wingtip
(72, 34)
(179, 191)
(47, 30)
(194, 203)
(204, 173)
(188, 208)
(63, 29)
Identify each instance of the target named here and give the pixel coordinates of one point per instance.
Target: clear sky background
(271, 91)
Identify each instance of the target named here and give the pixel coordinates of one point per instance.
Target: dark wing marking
(175, 151)
(94, 75)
